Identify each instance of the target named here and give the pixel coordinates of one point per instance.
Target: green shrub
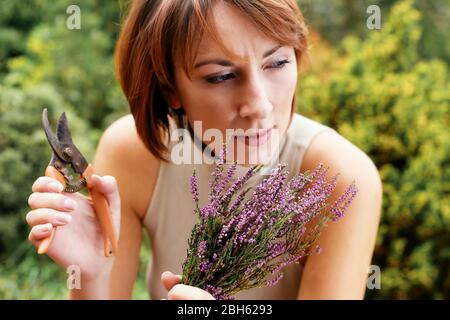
(394, 106)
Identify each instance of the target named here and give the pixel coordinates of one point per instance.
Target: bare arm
(340, 270)
(117, 156)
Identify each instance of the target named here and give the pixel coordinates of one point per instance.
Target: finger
(52, 201)
(47, 184)
(45, 215)
(184, 292)
(169, 279)
(107, 185)
(39, 232)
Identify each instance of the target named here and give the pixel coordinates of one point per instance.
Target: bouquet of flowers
(240, 241)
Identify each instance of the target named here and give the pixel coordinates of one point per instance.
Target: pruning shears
(65, 153)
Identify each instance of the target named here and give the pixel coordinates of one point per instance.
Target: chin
(262, 153)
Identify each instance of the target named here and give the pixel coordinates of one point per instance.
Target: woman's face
(254, 94)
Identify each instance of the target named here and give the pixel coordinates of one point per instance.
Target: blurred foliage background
(385, 90)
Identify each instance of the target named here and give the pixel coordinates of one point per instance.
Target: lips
(258, 138)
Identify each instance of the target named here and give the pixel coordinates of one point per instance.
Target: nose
(255, 102)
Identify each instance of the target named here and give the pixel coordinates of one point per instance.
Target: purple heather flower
(299, 181)
(201, 249)
(237, 202)
(205, 266)
(276, 249)
(237, 185)
(227, 178)
(208, 211)
(287, 261)
(215, 184)
(275, 215)
(255, 210)
(275, 280)
(199, 228)
(218, 293)
(344, 201)
(194, 187)
(257, 265)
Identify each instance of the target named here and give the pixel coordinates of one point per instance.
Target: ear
(173, 100)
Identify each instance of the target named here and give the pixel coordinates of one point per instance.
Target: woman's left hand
(177, 291)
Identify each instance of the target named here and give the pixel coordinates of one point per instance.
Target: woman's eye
(218, 79)
(280, 64)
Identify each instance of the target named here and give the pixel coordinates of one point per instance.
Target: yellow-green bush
(395, 107)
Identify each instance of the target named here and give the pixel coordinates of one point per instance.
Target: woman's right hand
(78, 239)
(178, 291)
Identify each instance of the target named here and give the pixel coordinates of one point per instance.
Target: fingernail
(45, 228)
(63, 218)
(69, 204)
(55, 186)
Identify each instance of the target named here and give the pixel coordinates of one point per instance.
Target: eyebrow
(227, 63)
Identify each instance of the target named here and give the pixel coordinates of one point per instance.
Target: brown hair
(158, 31)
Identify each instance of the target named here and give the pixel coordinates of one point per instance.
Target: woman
(230, 65)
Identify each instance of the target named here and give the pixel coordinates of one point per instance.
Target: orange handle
(51, 172)
(103, 214)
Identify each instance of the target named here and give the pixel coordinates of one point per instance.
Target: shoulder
(348, 245)
(122, 153)
(343, 157)
(323, 144)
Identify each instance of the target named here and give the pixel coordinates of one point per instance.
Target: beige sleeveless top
(170, 218)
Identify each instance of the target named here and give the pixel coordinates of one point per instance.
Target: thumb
(169, 279)
(108, 187)
(184, 292)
